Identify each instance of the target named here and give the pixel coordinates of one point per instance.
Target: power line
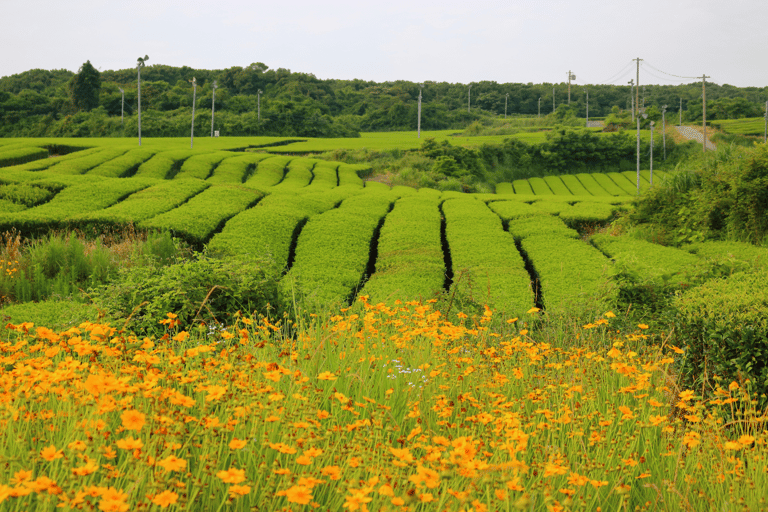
(670, 74)
(613, 78)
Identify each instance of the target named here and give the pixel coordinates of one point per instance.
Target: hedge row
(522, 187)
(198, 219)
(487, 267)
(410, 263)
(349, 174)
(298, 174)
(540, 187)
(26, 194)
(609, 185)
(165, 165)
(736, 252)
(269, 228)
(574, 277)
(7, 206)
(87, 196)
(334, 249)
(45, 163)
(592, 186)
(558, 187)
(325, 175)
(574, 185)
(122, 166)
(510, 210)
(202, 166)
(585, 213)
(628, 185)
(269, 172)
(85, 163)
(20, 156)
(540, 224)
(145, 204)
(237, 169)
(505, 188)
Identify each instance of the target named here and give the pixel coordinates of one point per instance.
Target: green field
(746, 126)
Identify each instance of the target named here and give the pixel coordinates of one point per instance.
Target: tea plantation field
(336, 235)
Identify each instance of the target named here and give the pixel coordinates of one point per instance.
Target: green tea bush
(724, 324)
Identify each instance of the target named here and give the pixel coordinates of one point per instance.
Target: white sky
(449, 40)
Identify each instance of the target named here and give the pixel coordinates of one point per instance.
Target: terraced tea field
(335, 235)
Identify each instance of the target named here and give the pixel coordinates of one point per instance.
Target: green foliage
(202, 166)
(202, 289)
(539, 224)
(123, 166)
(487, 268)
(724, 324)
(85, 87)
(26, 194)
(19, 156)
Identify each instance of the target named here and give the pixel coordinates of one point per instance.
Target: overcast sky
(448, 40)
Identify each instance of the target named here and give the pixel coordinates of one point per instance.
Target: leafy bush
(203, 289)
(724, 323)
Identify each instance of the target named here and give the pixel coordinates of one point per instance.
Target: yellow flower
(236, 444)
(130, 443)
(50, 453)
(327, 376)
(165, 499)
(534, 310)
(239, 490)
(133, 419)
(299, 494)
(232, 476)
(173, 463)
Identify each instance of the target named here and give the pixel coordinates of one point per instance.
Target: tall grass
(370, 408)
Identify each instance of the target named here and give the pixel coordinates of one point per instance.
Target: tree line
(90, 102)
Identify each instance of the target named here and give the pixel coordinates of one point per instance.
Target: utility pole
(540, 107)
(140, 64)
(637, 118)
(418, 123)
(122, 105)
(664, 129)
(258, 105)
(194, 98)
(469, 97)
(506, 100)
(704, 108)
(587, 91)
(632, 97)
(652, 123)
(571, 76)
(213, 105)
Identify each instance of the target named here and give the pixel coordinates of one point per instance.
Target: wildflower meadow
(372, 408)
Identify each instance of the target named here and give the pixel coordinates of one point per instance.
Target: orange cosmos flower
(327, 376)
(173, 463)
(232, 476)
(236, 444)
(130, 443)
(239, 490)
(133, 419)
(50, 453)
(90, 467)
(299, 494)
(334, 472)
(165, 499)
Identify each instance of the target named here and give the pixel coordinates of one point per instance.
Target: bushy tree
(85, 87)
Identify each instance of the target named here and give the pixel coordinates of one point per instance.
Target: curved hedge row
(334, 249)
(237, 169)
(325, 175)
(85, 163)
(573, 275)
(145, 204)
(269, 172)
(540, 224)
(410, 263)
(202, 166)
(509, 210)
(18, 156)
(487, 267)
(269, 228)
(349, 174)
(123, 165)
(540, 187)
(203, 215)
(45, 163)
(609, 185)
(628, 185)
(592, 186)
(165, 165)
(558, 187)
(298, 174)
(86, 196)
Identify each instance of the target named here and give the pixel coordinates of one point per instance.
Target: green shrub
(724, 324)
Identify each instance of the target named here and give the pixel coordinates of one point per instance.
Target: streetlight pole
(418, 123)
(122, 105)
(469, 97)
(213, 105)
(140, 64)
(258, 105)
(664, 129)
(194, 97)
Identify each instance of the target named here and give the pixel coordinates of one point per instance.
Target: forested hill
(88, 103)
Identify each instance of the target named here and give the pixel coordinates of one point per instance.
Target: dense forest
(41, 103)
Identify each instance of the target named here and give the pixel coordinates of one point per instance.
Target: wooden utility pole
(704, 108)
(213, 105)
(637, 119)
(418, 123)
(194, 98)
